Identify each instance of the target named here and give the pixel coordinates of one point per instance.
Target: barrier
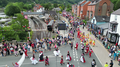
(21, 60)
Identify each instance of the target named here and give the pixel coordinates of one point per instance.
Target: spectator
(111, 63)
(106, 65)
(93, 63)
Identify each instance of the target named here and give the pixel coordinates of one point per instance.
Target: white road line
(77, 59)
(31, 63)
(74, 59)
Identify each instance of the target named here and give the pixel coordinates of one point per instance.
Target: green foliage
(55, 5)
(84, 21)
(3, 23)
(116, 4)
(9, 35)
(69, 8)
(11, 9)
(17, 25)
(3, 3)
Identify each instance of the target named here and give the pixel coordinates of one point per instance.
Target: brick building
(93, 8)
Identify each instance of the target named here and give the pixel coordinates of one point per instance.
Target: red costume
(90, 52)
(87, 49)
(76, 46)
(26, 53)
(61, 62)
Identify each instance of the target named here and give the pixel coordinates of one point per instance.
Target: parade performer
(55, 46)
(34, 61)
(78, 34)
(46, 61)
(93, 43)
(82, 48)
(90, 52)
(87, 49)
(16, 64)
(76, 46)
(68, 56)
(41, 56)
(61, 62)
(56, 52)
(82, 59)
(26, 55)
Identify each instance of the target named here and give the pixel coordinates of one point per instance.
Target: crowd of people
(113, 49)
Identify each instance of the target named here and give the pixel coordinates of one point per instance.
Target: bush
(3, 23)
(9, 23)
(0, 18)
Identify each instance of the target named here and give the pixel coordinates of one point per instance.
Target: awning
(103, 26)
(113, 22)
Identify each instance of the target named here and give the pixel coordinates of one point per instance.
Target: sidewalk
(100, 51)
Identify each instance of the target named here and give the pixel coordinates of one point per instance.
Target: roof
(104, 26)
(113, 22)
(51, 12)
(81, 2)
(117, 12)
(38, 6)
(94, 2)
(84, 3)
(102, 18)
(32, 13)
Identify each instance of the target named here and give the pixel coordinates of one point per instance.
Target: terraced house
(87, 8)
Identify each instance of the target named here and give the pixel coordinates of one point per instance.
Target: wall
(108, 2)
(91, 8)
(94, 21)
(78, 10)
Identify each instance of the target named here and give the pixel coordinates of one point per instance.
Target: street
(75, 54)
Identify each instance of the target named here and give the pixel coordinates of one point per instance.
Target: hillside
(5, 2)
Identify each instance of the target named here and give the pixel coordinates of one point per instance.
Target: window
(115, 17)
(81, 12)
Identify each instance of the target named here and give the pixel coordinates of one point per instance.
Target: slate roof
(102, 18)
(94, 2)
(50, 12)
(32, 13)
(117, 12)
(84, 3)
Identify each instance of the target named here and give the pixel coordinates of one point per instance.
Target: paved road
(75, 54)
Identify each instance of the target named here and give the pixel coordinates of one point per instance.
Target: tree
(117, 5)
(19, 25)
(55, 5)
(8, 33)
(10, 10)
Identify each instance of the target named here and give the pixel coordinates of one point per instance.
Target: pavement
(54, 61)
(100, 51)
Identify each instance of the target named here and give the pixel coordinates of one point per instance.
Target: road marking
(74, 59)
(31, 63)
(77, 59)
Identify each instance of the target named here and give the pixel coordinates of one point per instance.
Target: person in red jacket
(32, 45)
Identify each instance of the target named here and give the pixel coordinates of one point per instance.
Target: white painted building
(114, 27)
(40, 10)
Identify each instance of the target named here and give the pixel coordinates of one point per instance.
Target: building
(38, 8)
(93, 8)
(100, 23)
(114, 27)
(83, 9)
